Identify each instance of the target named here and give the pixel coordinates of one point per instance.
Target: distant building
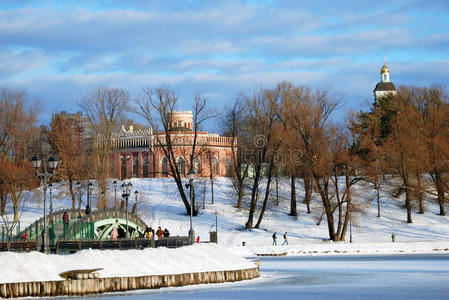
(138, 153)
(384, 87)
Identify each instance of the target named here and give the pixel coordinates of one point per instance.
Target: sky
(57, 51)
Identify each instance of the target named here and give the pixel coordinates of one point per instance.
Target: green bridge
(96, 225)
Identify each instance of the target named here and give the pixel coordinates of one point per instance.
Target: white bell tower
(384, 73)
(384, 87)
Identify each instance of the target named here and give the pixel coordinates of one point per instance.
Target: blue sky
(59, 50)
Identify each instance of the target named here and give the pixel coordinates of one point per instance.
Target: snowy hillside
(159, 205)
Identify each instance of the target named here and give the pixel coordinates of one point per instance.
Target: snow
(159, 204)
(35, 266)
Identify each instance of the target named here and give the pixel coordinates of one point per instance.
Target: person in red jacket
(159, 232)
(198, 239)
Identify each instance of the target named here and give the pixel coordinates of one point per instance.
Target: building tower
(384, 87)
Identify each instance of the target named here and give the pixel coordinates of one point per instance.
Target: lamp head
(36, 161)
(53, 162)
(50, 186)
(124, 187)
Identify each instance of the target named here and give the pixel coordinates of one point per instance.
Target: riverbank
(346, 248)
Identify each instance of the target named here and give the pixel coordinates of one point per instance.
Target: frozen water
(342, 277)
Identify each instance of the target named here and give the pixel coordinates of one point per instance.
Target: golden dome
(384, 69)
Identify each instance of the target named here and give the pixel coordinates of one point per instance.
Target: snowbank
(345, 248)
(35, 266)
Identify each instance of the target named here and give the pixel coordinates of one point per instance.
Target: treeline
(286, 131)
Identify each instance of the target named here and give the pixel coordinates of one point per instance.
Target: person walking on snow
(274, 239)
(285, 239)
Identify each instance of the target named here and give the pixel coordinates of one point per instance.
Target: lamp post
(190, 176)
(127, 187)
(45, 177)
(216, 227)
(78, 188)
(114, 183)
(90, 186)
(50, 188)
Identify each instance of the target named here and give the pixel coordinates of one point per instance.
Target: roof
(385, 86)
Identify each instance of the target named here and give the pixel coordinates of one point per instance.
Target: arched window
(164, 166)
(196, 166)
(145, 166)
(215, 165)
(385, 77)
(228, 167)
(181, 165)
(123, 167)
(136, 167)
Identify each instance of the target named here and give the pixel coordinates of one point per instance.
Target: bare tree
(233, 124)
(70, 151)
(435, 113)
(105, 109)
(17, 121)
(157, 106)
(260, 119)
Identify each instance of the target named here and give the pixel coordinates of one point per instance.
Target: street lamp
(100, 200)
(216, 227)
(50, 188)
(190, 176)
(127, 187)
(114, 183)
(90, 186)
(45, 177)
(78, 188)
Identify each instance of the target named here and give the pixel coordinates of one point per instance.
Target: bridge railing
(122, 244)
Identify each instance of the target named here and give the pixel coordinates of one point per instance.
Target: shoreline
(82, 287)
(345, 248)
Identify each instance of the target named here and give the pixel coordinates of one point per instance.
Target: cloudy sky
(59, 50)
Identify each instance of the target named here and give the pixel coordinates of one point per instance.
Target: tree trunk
(324, 193)
(183, 196)
(252, 207)
(348, 212)
(293, 209)
(3, 203)
(72, 194)
(240, 195)
(420, 194)
(408, 202)
(440, 193)
(277, 189)
(377, 186)
(265, 201)
(308, 191)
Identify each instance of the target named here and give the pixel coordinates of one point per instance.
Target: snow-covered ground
(159, 205)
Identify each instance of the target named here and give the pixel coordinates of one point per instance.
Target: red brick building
(138, 153)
